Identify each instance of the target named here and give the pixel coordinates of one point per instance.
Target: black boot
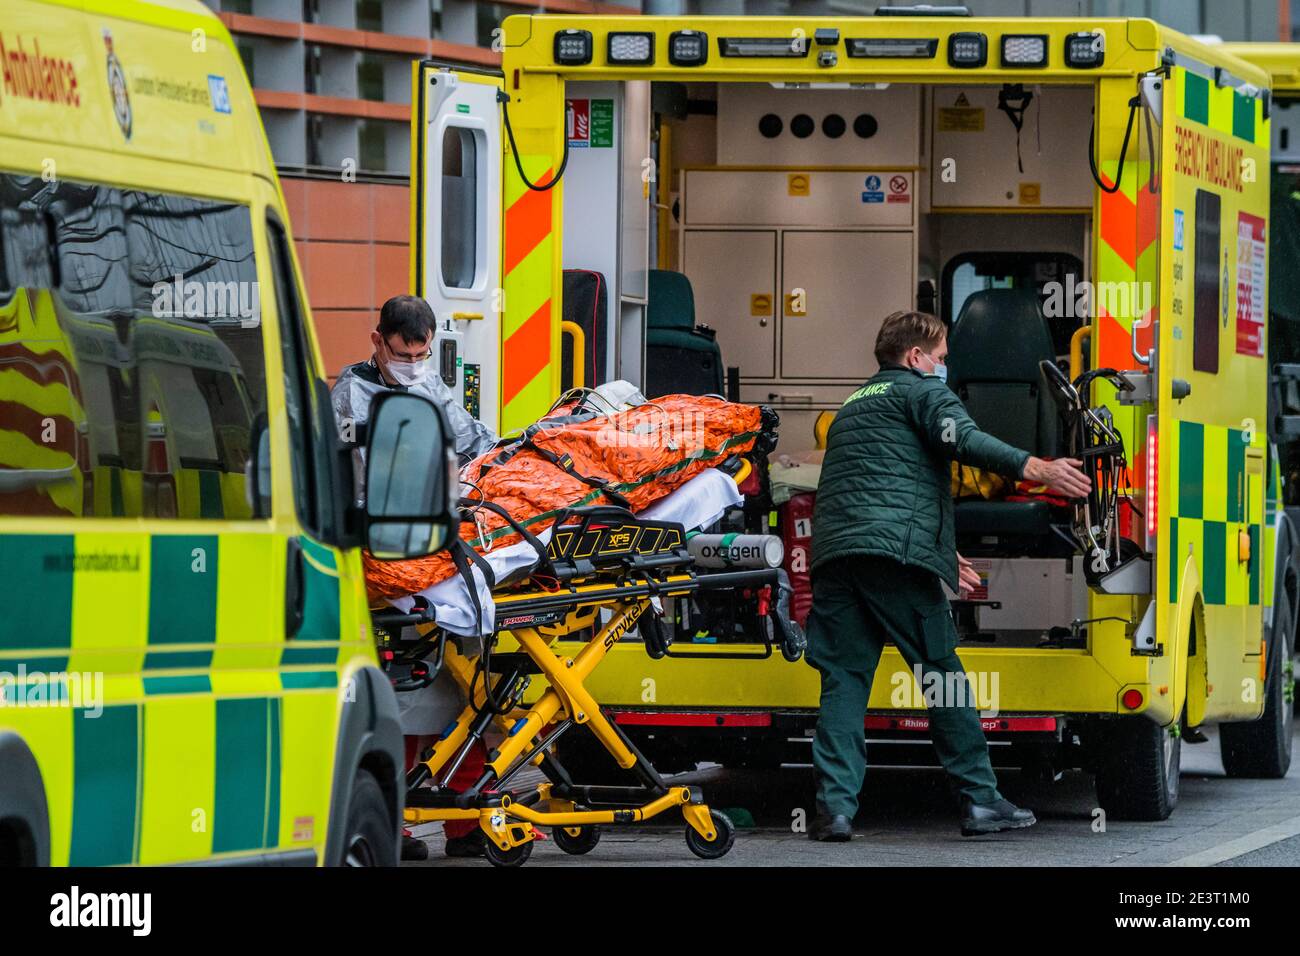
(835, 828)
(471, 844)
(977, 818)
(413, 848)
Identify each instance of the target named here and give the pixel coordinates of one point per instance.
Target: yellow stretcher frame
(508, 824)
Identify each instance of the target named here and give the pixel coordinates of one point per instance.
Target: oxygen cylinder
(736, 550)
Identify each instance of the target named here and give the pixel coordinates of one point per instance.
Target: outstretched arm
(949, 430)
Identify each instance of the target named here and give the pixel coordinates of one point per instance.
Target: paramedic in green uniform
(883, 546)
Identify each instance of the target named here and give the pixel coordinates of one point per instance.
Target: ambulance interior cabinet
(733, 276)
(796, 271)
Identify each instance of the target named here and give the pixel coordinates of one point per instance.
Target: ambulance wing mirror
(410, 477)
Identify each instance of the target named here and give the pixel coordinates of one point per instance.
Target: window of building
(246, 55)
(370, 15)
(370, 77)
(372, 139)
(487, 20)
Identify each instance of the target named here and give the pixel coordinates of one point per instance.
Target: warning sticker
(1250, 284)
(873, 192)
(899, 187)
(589, 123)
(961, 119)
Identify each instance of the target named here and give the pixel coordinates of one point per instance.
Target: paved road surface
(909, 818)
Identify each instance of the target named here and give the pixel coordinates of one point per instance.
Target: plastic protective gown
(641, 454)
(358, 385)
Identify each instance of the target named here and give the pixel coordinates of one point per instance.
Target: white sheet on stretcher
(699, 502)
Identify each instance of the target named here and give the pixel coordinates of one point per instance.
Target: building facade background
(333, 81)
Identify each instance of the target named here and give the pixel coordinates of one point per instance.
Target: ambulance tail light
(1024, 50)
(573, 47)
(1152, 497)
(688, 48)
(1085, 51)
(891, 48)
(797, 46)
(968, 50)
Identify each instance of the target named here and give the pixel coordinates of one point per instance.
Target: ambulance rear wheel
(1262, 748)
(584, 842)
(724, 836)
(1137, 769)
(515, 856)
(371, 836)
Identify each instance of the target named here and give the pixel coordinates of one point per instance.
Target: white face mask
(407, 373)
(940, 370)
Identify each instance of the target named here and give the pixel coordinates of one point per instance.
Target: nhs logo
(219, 92)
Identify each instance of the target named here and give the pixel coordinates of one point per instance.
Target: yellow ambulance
(187, 667)
(1084, 202)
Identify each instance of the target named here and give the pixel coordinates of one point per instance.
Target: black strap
(565, 464)
(534, 542)
(461, 555)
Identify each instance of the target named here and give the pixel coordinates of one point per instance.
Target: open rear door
(456, 228)
(1208, 508)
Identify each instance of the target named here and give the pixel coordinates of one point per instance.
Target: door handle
(295, 589)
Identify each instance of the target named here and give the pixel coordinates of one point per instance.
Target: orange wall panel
(352, 241)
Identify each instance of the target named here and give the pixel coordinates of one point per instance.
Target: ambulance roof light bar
(924, 10)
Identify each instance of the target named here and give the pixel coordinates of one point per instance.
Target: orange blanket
(643, 454)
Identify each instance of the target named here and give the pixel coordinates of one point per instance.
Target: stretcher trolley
(604, 576)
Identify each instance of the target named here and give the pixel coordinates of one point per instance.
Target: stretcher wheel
(584, 842)
(515, 856)
(719, 845)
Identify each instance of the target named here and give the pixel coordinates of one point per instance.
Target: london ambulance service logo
(117, 87)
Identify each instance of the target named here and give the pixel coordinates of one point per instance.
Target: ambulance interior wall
(606, 210)
(969, 195)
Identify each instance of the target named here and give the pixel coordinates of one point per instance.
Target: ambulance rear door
(1206, 496)
(456, 229)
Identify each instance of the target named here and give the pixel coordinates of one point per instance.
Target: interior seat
(994, 348)
(681, 357)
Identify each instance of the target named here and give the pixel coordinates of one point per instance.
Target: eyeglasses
(407, 356)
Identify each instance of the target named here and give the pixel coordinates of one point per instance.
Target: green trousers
(859, 602)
